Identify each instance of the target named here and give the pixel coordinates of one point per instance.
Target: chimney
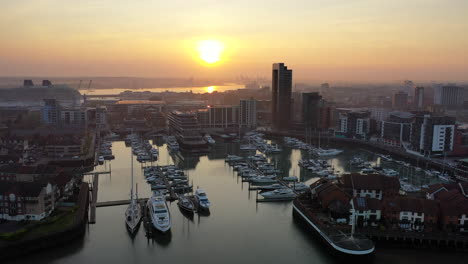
(28, 83)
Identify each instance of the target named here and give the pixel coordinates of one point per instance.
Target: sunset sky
(355, 40)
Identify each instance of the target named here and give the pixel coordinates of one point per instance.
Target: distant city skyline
(322, 40)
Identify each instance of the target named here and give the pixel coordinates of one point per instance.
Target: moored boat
(185, 204)
(202, 199)
(284, 193)
(159, 212)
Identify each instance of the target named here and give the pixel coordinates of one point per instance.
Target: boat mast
(353, 224)
(131, 166)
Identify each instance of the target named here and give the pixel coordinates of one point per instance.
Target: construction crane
(89, 85)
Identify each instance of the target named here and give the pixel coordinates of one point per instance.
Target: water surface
(239, 230)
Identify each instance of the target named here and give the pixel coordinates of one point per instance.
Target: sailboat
(133, 212)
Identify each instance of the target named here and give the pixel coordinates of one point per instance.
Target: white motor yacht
(262, 180)
(328, 152)
(284, 193)
(290, 178)
(209, 139)
(367, 171)
(202, 199)
(299, 186)
(390, 172)
(159, 212)
(248, 148)
(230, 158)
(323, 173)
(272, 187)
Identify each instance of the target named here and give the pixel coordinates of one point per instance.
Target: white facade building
(440, 133)
(248, 113)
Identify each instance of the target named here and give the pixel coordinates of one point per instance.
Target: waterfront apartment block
(353, 124)
(433, 134)
(248, 113)
(219, 116)
(26, 201)
(397, 128)
(185, 127)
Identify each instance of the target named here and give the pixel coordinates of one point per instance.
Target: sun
(210, 89)
(210, 51)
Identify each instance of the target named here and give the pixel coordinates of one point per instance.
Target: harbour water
(203, 89)
(238, 230)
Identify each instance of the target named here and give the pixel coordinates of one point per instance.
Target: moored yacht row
(266, 177)
(321, 152)
(143, 149)
(170, 180)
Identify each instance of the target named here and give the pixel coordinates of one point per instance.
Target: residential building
(248, 113)
(374, 186)
(297, 107)
(19, 173)
(311, 110)
(65, 146)
(365, 211)
(51, 112)
(432, 134)
(450, 96)
(453, 200)
(400, 100)
(26, 201)
(411, 213)
(397, 128)
(74, 117)
(354, 124)
(418, 99)
(219, 116)
(139, 106)
(408, 86)
(332, 197)
(101, 116)
(281, 96)
(379, 114)
(185, 127)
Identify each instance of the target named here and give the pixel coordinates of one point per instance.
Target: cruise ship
(307, 208)
(184, 126)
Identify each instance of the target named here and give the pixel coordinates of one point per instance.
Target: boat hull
(132, 229)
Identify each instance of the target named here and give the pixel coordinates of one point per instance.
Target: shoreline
(13, 249)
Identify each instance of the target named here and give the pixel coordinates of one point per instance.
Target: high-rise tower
(281, 96)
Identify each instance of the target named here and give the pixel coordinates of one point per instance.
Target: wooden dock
(119, 202)
(94, 192)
